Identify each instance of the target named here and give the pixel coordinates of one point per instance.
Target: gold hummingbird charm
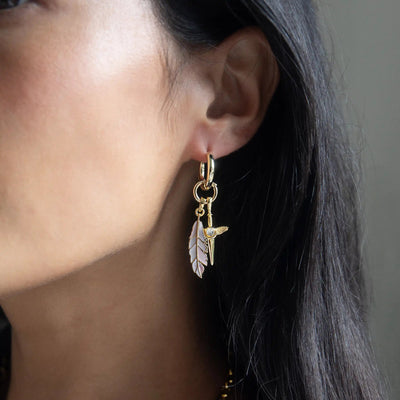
(212, 232)
(202, 240)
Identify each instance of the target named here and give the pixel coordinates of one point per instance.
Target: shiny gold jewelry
(202, 240)
(225, 390)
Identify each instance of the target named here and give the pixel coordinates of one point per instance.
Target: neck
(134, 323)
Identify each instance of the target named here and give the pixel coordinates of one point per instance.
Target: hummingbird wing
(198, 248)
(221, 229)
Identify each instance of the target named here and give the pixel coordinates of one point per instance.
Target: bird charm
(211, 233)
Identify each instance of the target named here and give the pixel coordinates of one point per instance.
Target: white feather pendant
(198, 248)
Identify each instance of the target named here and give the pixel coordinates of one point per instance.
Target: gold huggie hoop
(210, 171)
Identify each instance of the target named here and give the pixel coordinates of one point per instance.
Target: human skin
(96, 201)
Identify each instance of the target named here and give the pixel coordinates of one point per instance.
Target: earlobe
(244, 74)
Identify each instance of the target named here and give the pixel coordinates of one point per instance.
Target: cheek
(83, 158)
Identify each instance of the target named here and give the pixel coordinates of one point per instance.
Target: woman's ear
(235, 81)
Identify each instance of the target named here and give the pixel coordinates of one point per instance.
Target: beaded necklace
(225, 390)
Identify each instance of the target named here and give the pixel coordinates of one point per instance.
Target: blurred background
(363, 41)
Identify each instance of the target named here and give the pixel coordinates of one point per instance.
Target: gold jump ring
(202, 200)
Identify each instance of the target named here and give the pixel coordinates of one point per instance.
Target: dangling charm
(201, 240)
(198, 245)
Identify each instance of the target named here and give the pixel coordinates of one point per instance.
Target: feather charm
(198, 248)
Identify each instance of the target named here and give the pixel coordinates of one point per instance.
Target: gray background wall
(366, 48)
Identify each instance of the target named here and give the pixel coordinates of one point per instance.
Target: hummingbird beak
(211, 244)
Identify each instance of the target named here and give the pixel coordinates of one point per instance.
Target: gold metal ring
(202, 199)
(210, 171)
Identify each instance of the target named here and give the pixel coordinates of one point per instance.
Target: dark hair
(289, 281)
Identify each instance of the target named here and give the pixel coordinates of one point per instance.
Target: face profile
(116, 119)
(86, 156)
(85, 142)
(99, 151)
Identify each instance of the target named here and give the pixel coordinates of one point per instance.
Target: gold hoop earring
(202, 240)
